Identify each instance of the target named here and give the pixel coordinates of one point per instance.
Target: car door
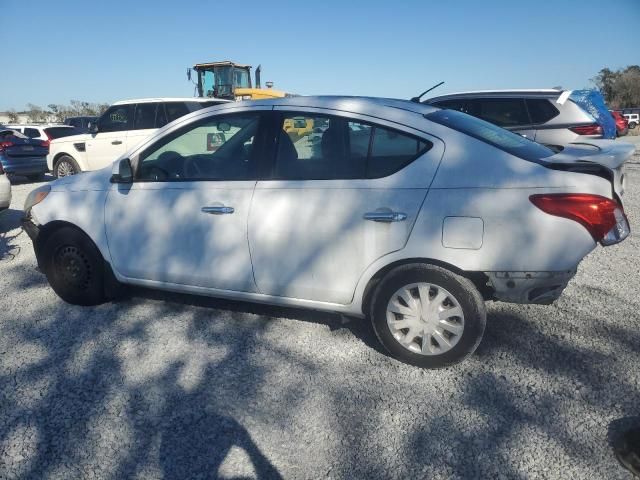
(183, 221)
(338, 198)
(146, 116)
(110, 141)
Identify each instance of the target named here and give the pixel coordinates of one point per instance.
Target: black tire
(465, 293)
(74, 267)
(632, 125)
(71, 165)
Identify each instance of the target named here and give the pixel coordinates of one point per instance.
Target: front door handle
(116, 142)
(385, 216)
(217, 210)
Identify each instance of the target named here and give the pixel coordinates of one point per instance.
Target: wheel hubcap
(73, 266)
(425, 318)
(65, 169)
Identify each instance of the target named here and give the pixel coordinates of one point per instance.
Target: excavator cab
(220, 79)
(230, 81)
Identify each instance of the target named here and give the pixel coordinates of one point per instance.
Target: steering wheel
(157, 173)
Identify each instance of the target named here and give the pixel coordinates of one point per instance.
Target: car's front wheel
(65, 166)
(427, 316)
(74, 267)
(632, 125)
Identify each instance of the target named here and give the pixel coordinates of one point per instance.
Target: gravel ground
(168, 386)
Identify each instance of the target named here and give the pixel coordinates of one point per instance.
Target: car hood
(97, 180)
(608, 153)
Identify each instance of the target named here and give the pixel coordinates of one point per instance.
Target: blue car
(21, 155)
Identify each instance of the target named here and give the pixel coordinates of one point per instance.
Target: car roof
(344, 103)
(37, 125)
(522, 92)
(170, 99)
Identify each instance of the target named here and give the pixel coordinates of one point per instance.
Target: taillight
(591, 129)
(4, 145)
(45, 143)
(603, 217)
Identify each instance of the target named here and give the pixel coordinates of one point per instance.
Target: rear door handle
(217, 210)
(385, 216)
(116, 142)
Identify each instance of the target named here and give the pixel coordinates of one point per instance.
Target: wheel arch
(79, 161)
(479, 279)
(48, 229)
(111, 285)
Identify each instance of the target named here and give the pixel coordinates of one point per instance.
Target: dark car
(622, 124)
(81, 123)
(21, 155)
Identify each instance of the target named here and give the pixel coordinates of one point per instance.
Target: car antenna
(417, 99)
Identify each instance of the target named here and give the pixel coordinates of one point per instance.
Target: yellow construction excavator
(230, 81)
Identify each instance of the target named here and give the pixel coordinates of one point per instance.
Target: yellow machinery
(231, 81)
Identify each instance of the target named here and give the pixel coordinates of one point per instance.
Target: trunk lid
(605, 158)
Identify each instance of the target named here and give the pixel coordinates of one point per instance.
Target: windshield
(491, 134)
(241, 78)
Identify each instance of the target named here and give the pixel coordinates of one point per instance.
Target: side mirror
(122, 171)
(93, 127)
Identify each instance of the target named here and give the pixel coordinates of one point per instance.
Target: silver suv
(546, 116)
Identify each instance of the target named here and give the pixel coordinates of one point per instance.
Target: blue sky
(103, 51)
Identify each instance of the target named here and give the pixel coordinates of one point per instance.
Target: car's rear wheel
(427, 316)
(65, 166)
(74, 267)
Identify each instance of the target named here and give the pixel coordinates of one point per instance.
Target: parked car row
(402, 212)
(622, 124)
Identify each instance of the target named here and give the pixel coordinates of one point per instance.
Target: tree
(13, 116)
(35, 113)
(620, 88)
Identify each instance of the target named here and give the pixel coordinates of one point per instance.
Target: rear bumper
(529, 287)
(24, 165)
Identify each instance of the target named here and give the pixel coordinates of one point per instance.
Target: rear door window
(541, 110)
(176, 110)
(145, 116)
(161, 116)
(324, 147)
(504, 112)
(31, 132)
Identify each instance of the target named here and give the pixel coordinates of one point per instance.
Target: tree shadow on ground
(359, 327)
(9, 223)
